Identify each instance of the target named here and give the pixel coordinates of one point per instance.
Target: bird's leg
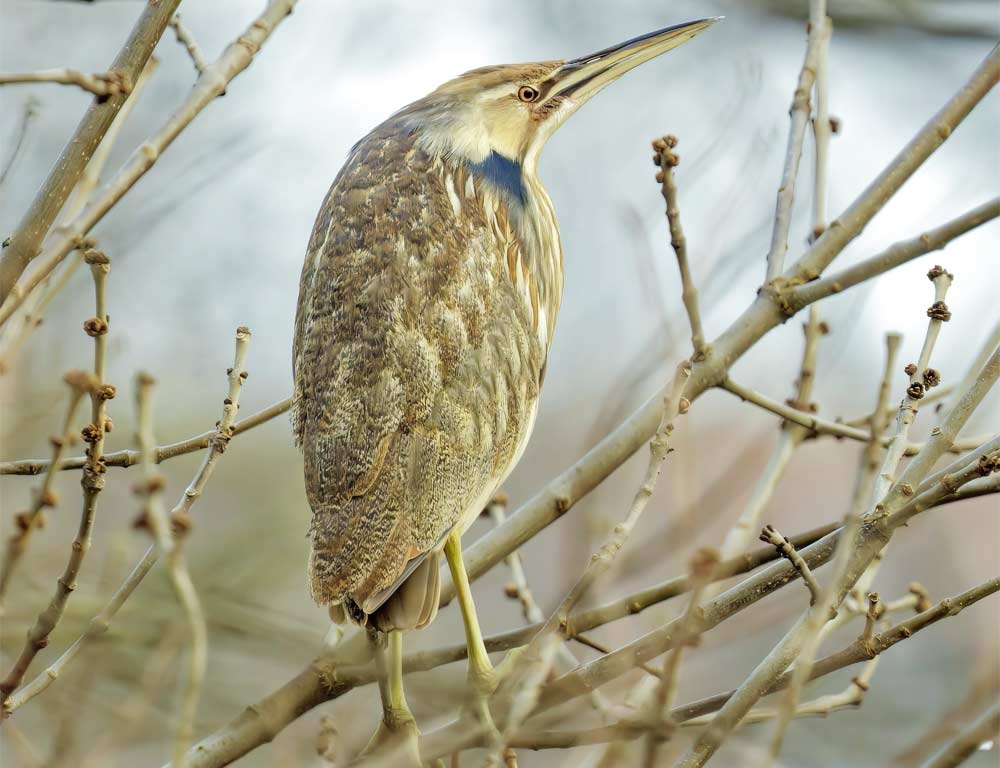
(397, 729)
(482, 678)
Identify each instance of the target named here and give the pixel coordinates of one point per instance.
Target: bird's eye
(527, 94)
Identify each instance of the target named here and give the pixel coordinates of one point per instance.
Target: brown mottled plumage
(417, 361)
(427, 305)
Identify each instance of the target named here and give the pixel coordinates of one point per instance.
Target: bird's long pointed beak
(581, 78)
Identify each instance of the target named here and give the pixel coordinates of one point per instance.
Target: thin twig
(667, 160)
(38, 635)
(45, 496)
(895, 255)
(110, 83)
(799, 114)
(185, 38)
(29, 113)
(773, 537)
(129, 458)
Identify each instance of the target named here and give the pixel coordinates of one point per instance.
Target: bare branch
(212, 83)
(128, 64)
(799, 112)
(103, 84)
(849, 224)
(893, 256)
(185, 38)
(45, 496)
(129, 458)
(968, 741)
(667, 160)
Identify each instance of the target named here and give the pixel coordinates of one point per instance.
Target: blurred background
(213, 238)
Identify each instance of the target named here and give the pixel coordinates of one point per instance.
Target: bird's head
(513, 109)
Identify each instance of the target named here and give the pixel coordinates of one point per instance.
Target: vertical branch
(156, 516)
(799, 113)
(45, 496)
(92, 482)
(38, 636)
(703, 566)
(179, 520)
(667, 160)
(820, 614)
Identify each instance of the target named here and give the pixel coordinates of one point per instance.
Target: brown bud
(910, 369)
(835, 124)
(109, 425)
(672, 159)
(659, 145)
(824, 327)
(659, 177)
(656, 159)
(106, 392)
(93, 256)
(23, 521)
(915, 390)
(91, 433)
(939, 311)
(936, 271)
(671, 140)
(931, 378)
(511, 591)
(48, 499)
(95, 326)
(244, 375)
(683, 405)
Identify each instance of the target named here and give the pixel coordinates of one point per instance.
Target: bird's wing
(416, 364)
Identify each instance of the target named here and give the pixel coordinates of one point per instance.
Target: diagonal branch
(34, 225)
(211, 84)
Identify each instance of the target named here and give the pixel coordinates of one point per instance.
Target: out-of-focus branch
(212, 83)
(29, 113)
(34, 225)
(178, 520)
(45, 496)
(667, 160)
(186, 38)
(129, 458)
(962, 747)
(38, 635)
(110, 83)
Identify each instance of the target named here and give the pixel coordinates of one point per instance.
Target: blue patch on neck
(503, 173)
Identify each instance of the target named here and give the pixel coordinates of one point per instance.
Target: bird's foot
(396, 738)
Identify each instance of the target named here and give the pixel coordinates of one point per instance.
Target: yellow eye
(527, 94)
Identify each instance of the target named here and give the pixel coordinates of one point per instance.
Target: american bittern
(426, 309)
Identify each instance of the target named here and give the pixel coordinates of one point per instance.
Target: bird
(427, 304)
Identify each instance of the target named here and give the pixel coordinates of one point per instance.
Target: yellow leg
(398, 729)
(482, 678)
